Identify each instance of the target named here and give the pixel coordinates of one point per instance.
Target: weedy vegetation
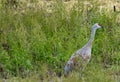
(36, 42)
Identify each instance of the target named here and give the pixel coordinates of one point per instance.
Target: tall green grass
(33, 39)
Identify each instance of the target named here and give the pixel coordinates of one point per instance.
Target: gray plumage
(84, 53)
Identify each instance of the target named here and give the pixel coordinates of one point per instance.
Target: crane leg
(84, 64)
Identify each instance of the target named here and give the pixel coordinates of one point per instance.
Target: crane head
(96, 25)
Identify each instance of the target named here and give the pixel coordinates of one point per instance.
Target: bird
(82, 55)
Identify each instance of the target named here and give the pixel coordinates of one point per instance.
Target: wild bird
(84, 54)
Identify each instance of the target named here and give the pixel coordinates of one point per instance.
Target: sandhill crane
(84, 53)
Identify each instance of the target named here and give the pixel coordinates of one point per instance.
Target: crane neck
(93, 34)
(92, 37)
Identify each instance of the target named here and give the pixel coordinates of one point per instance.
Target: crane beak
(102, 27)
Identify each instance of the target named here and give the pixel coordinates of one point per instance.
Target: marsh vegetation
(38, 37)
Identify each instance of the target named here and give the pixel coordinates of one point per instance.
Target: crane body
(83, 55)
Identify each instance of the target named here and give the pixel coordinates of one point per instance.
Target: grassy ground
(93, 73)
(36, 42)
